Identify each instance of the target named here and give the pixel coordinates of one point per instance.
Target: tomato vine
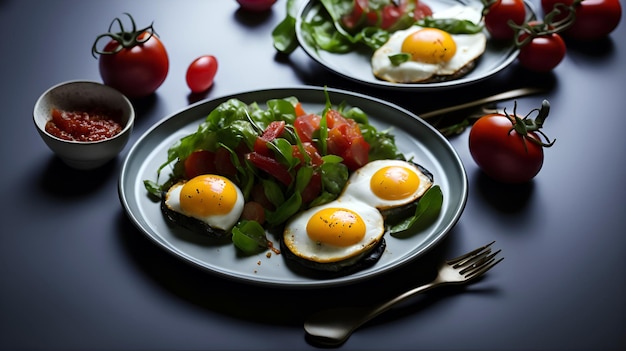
(125, 39)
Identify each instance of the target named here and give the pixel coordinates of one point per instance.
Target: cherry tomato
(200, 73)
(499, 13)
(542, 53)
(134, 62)
(256, 5)
(509, 149)
(595, 19)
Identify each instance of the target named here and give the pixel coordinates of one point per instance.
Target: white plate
(356, 65)
(413, 137)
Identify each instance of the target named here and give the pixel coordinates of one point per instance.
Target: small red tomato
(201, 73)
(594, 19)
(256, 5)
(498, 15)
(542, 53)
(509, 149)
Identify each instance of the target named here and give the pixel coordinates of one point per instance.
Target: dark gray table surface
(76, 273)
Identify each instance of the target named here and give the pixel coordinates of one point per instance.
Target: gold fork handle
(334, 326)
(498, 97)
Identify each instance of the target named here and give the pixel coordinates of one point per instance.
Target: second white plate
(356, 65)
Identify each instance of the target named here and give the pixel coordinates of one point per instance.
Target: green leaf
(249, 237)
(426, 212)
(451, 25)
(286, 210)
(397, 59)
(284, 34)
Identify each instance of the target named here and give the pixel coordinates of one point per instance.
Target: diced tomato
(422, 10)
(299, 110)
(354, 18)
(273, 131)
(391, 14)
(345, 140)
(311, 151)
(199, 162)
(270, 166)
(358, 154)
(223, 163)
(313, 189)
(306, 125)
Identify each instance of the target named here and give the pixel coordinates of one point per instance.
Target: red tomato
(311, 151)
(306, 125)
(134, 62)
(313, 189)
(354, 18)
(256, 5)
(199, 162)
(200, 73)
(345, 140)
(595, 19)
(542, 53)
(422, 10)
(270, 166)
(506, 151)
(273, 131)
(500, 13)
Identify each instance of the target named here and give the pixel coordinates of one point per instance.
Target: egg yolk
(336, 227)
(394, 182)
(207, 195)
(429, 45)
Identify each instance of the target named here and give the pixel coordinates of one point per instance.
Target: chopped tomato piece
(311, 151)
(199, 162)
(270, 166)
(223, 163)
(273, 131)
(299, 110)
(313, 189)
(422, 10)
(306, 125)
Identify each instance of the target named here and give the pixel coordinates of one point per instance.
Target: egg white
(358, 185)
(469, 48)
(297, 240)
(224, 222)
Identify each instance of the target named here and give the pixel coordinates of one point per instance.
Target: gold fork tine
(469, 254)
(477, 270)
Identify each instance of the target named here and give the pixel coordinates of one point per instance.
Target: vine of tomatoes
(540, 42)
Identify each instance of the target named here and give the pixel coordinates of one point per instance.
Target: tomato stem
(526, 32)
(125, 39)
(524, 125)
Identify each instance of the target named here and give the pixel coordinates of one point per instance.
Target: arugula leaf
(249, 237)
(426, 212)
(284, 34)
(451, 25)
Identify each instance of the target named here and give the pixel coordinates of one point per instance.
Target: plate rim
(331, 282)
(376, 83)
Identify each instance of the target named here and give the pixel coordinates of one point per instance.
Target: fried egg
(387, 184)
(339, 231)
(435, 55)
(212, 199)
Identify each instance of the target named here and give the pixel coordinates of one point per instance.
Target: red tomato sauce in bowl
(89, 125)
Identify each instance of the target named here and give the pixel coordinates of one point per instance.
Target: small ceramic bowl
(77, 95)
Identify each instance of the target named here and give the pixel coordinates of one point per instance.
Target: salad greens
(325, 28)
(235, 125)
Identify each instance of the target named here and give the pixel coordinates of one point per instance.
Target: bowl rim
(127, 127)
